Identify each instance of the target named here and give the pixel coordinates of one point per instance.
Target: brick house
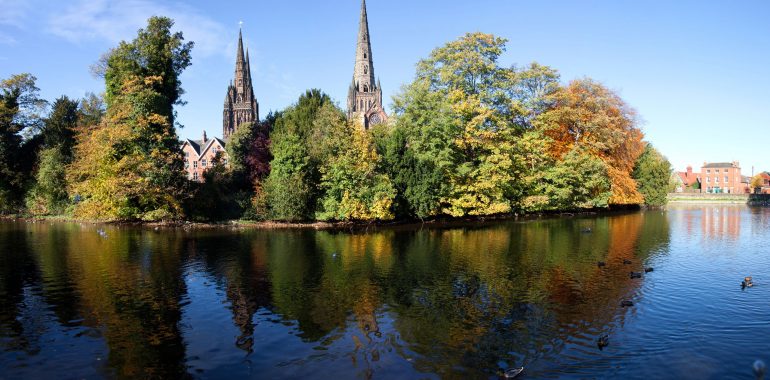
(723, 177)
(686, 181)
(199, 155)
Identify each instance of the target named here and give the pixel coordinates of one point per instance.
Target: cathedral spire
(365, 95)
(241, 105)
(364, 70)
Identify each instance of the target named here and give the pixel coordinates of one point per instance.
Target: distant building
(240, 107)
(723, 177)
(687, 181)
(364, 95)
(199, 155)
(764, 188)
(240, 103)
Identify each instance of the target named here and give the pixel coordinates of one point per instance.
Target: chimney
(204, 138)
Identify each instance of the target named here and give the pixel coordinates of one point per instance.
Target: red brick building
(199, 155)
(723, 177)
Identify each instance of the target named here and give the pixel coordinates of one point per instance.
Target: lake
(452, 302)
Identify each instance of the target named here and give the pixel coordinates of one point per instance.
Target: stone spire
(364, 69)
(240, 103)
(365, 95)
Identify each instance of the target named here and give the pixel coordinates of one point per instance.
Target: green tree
(20, 108)
(292, 186)
(578, 181)
(49, 192)
(459, 114)
(652, 173)
(130, 166)
(351, 187)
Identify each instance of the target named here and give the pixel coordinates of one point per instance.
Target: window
(195, 164)
(186, 154)
(727, 179)
(203, 162)
(366, 69)
(708, 171)
(708, 179)
(366, 88)
(195, 176)
(186, 164)
(364, 55)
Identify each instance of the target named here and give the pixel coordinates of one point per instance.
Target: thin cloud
(6, 39)
(115, 21)
(13, 12)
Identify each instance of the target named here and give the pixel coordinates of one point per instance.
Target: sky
(697, 72)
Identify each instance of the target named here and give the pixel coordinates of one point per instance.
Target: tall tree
(130, 166)
(49, 193)
(20, 108)
(292, 186)
(587, 115)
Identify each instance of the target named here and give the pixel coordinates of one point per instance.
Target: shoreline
(332, 226)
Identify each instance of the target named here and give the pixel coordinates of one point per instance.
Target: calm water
(431, 303)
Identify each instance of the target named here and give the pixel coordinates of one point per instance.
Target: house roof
(201, 148)
(719, 165)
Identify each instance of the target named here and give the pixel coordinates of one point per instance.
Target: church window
(364, 55)
(366, 69)
(366, 88)
(362, 105)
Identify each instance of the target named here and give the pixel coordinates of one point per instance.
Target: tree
(130, 166)
(459, 115)
(588, 115)
(49, 193)
(20, 108)
(351, 188)
(579, 181)
(652, 174)
(757, 182)
(292, 186)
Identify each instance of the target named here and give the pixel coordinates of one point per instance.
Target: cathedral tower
(365, 95)
(240, 103)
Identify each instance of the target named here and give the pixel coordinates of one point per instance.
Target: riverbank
(470, 221)
(708, 198)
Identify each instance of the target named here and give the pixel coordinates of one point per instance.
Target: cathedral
(365, 95)
(240, 107)
(240, 103)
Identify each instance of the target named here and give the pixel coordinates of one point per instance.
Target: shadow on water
(454, 302)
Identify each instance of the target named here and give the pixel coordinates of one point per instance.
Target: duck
(759, 369)
(603, 341)
(601, 264)
(747, 282)
(586, 230)
(512, 373)
(635, 274)
(101, 233)
(626, 261)
(648, 269)
(626, 303)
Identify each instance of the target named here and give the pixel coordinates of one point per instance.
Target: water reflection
(455, 302)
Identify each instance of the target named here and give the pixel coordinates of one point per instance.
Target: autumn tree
(130, 166)
(350, 186)
(587, 115)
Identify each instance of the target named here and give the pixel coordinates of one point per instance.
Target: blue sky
(696, 71)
